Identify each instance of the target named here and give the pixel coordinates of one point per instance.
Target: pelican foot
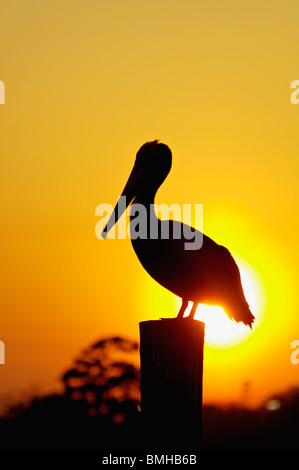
(193, 310)
(183, 308)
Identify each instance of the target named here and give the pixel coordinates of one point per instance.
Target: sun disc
(220, 331)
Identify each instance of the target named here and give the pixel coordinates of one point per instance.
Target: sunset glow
(220, 331)
(86, 84)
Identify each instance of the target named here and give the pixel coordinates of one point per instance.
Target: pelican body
(208, 275)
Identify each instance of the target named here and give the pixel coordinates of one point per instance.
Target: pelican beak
(129, 192)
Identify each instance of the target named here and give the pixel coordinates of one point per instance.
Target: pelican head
(152, 165)
(153, 160)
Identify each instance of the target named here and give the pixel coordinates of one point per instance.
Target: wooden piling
(171, 357)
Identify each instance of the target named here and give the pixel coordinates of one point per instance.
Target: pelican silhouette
(208, 275)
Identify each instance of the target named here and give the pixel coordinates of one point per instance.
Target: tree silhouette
(97, 409)
(104, 380)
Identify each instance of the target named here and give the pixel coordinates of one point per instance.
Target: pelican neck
(146, 200)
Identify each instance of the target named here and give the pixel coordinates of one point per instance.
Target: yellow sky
(87, 83)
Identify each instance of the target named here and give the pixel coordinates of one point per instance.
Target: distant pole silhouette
(171, 356)
(245, 394)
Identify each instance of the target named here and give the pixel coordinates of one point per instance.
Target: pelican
(208, 275)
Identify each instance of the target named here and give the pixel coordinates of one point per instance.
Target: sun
(220, 331)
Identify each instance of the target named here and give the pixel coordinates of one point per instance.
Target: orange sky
(87, 83)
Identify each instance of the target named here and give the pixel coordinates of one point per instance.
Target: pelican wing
(214, 276)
